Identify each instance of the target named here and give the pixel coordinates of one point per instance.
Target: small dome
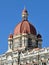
(24, 27)
(39, 36)
(11, 36)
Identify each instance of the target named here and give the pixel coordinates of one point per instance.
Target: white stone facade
(32, 57)
(29, 56)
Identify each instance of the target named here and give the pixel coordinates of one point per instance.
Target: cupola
(24, 14)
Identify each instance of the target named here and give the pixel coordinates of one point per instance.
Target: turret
(10, 42)
(39, 41)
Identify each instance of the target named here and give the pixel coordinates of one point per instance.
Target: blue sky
(10, 16)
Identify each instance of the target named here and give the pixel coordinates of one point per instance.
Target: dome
(24, 27)
(11, 36)
(39, 36)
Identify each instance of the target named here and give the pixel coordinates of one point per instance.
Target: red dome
(24, 27)
(11, 36)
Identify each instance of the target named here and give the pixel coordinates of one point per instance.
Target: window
(36, 43)
(43, 63)
(29, 43)
(48, 62)
(35, 64)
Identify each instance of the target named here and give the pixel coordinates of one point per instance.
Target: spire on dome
(24, 14)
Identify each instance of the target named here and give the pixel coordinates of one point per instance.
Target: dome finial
(24, 14)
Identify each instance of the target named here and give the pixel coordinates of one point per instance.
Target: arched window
(29, 42)
(35, 64)
(43, 63)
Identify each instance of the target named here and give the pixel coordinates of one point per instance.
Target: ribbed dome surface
(24, 27)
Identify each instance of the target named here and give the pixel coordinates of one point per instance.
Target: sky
(10, 16)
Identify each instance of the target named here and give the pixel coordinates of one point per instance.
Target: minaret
(10, 42)
(24, 14)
